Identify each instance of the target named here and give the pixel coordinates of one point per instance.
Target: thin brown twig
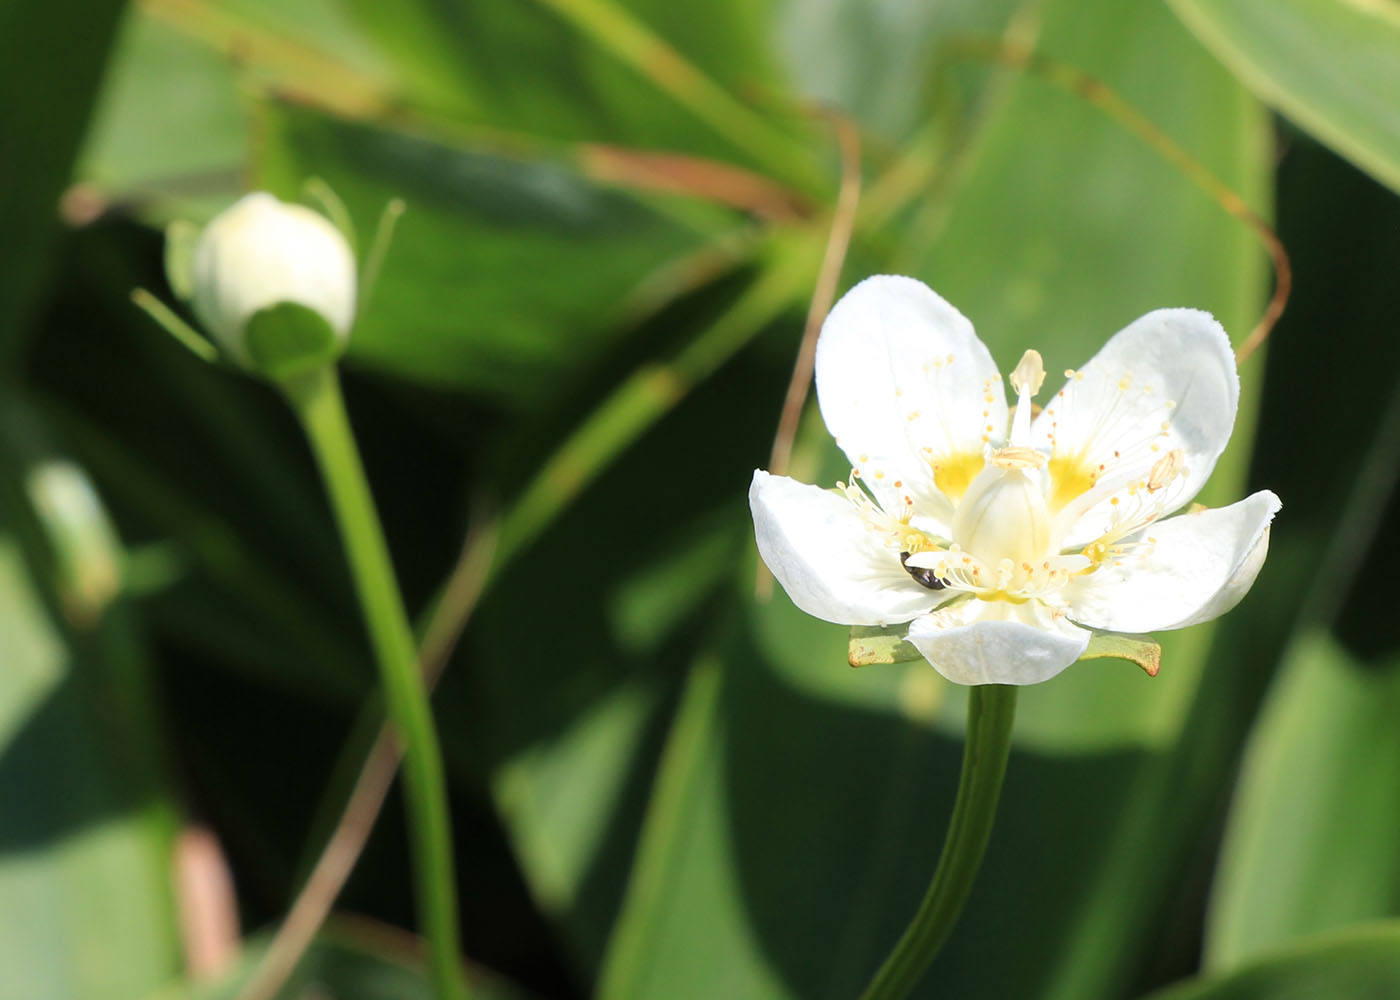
(842, 223)
(1098, 93)
(837, 243)
(347, 841)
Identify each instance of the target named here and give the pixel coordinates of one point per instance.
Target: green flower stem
(991, 709)
(317, 401)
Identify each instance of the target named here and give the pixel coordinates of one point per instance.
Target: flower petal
(831, 561)
(1192, 568)
(1165, 382)
(909, 392)
(1028, 646)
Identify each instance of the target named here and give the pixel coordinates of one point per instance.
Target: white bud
(260, 252)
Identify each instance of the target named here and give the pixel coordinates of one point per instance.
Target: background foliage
(662, 786)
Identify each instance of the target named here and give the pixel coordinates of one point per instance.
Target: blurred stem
(318, 404)
(991, 709)
(647, 394)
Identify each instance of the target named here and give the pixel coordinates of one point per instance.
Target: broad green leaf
(879, 68)
(85, 908)
(170, 136)
(1151, 868)
(42, 133)
(504, 275)
(562, 74)
(1311, 840)
(559, 796)
(169, 131)
(574, 746)
(1333, 66)
(1360, 963)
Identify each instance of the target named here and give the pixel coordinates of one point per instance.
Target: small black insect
(925, 577)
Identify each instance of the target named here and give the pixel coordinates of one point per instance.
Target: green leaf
(169, 125)
(557, 79)
(85, 905)
(1333, 66)
(1361, 963)
(289, 339)
(1311, 840)
(879, 70)
(42, 137)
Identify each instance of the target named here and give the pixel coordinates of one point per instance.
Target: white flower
(260, 252)
(1003, 540)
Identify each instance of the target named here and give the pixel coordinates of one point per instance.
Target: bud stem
(316, 399)
(991, 709)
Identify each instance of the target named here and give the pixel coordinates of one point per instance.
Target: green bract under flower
(1001, 539)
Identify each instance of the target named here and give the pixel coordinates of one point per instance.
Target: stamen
(1017, 457)
(1029, 374)
(1026, 379)
(1166, 468)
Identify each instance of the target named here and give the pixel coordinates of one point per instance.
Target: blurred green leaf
(1362, 963)
(85, 908)
(504, 274)
(879, 66)
(1333, 66)
(462, 55)
(559, 796)
(1311, 841)
(169, 126)
(40, 136)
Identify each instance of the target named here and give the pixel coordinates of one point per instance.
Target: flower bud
(261, 252)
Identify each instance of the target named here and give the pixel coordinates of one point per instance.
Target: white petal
(1167, 381)
(830, 561)
(904, 383)
(1027, 646)
(1194, 567)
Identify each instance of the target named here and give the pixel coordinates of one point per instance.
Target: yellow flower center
(953, 474)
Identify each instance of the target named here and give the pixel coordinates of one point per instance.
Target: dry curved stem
(1099, 94)
(347, 841)
(843, 219)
